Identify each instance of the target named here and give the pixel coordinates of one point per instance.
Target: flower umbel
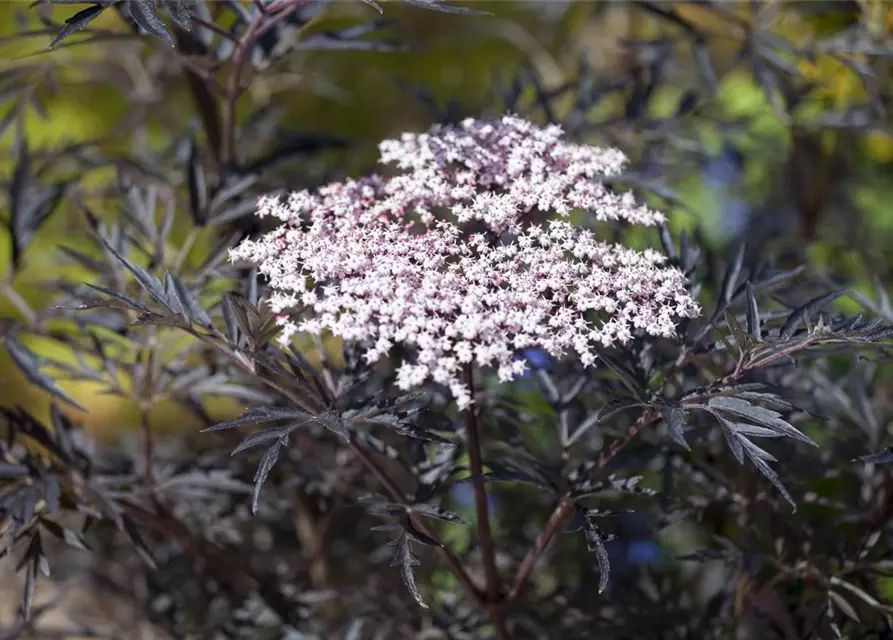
(351, 253)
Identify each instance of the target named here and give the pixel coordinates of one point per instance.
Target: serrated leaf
(755, 431)
(595, 542)
(625, 376)
(263, 436)
(134, 304)
(180, 11)
(734, 442)
(260, 415)
(29, 364)
(760, 415)
(263, 470)
(729, 281)
(198, 189)
(406, 561)
(753, 449)
(767, 471)
(753, 313)
(229, 318)
(192, 308)
(810, 308)
(439, 513)
(145, 279)
(145, 15)
(77, 22)
(173, 297)
(675, 419)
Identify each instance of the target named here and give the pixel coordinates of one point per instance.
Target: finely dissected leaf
(145, 15)
(666, 241)
(760, 415)
(810, 308)
(18, 189)
(180, 11)
(403, 427)
(730, 279)
(173, 297)
(513, 466)
(755, 450)
(755, 431)
(437, 512)
(753, 313)
(881, 457)
(734, 442)
(77, 22)
(263, 436)
(588, 486)
(741, 446)
(192, 309)
(29, 208)
(263, 470)
(626, 377)
(229, 318)
(767, 471)
(145, 279)
(675, 419)
(198, 190)
(259, 415)
(377, 445)
(29, 364)
(62, 431)
(127, 300)
(406, 561)
(333, 422)
(601, 415)
(595, 541)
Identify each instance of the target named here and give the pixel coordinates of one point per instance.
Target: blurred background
(759, 121)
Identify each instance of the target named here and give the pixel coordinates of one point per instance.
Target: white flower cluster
(350, 254)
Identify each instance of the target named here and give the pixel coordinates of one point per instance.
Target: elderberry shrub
(486, 392)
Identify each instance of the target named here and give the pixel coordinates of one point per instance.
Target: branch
(369, 461)
(262, 23)
(565, 507)
(397, 495)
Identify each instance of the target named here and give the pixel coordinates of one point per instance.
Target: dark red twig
(482, 511)
(565, 507)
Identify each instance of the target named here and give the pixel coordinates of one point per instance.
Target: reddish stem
(565, 507)
(262, 23)
(482, 510)
(397, 495)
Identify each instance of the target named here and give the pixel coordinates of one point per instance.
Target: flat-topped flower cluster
(387, 260)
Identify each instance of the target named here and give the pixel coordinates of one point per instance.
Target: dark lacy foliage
(341, 511)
